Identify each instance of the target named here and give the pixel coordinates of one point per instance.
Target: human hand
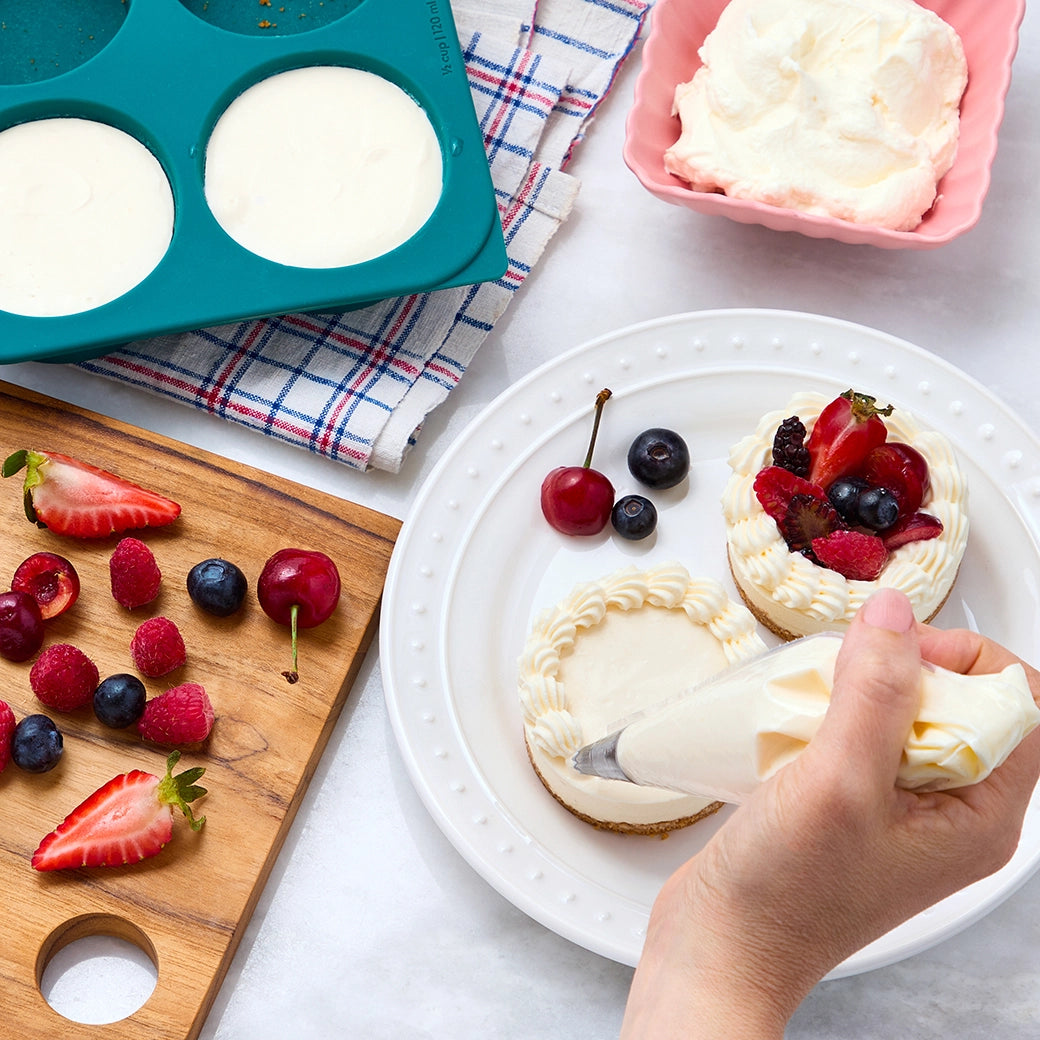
(829, 854)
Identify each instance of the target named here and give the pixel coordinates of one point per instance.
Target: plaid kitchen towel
(356, 386)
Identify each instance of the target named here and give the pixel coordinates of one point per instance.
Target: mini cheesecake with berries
(828, 500)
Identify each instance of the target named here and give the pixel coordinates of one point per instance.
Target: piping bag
(724, 736)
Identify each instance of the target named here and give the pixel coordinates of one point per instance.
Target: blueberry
(659, 458)
(634, 517)
(217, 586)
(844, 496)
(119, 700)
(878, 508)
(36, 744)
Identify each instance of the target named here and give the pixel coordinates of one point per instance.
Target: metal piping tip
(600, 759)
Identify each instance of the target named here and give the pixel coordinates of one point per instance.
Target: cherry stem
(601, 399)
(293, 675)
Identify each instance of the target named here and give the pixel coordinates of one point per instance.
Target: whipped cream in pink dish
(841, 108)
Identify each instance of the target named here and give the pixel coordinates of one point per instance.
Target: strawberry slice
(846, 430)
(77, 499)
(125, 821)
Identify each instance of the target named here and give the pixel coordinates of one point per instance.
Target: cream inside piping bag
(723, 737)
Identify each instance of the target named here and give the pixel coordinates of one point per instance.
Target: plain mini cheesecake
(812, 527)
(611, 648)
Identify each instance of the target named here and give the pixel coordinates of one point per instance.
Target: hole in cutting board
(97, 969)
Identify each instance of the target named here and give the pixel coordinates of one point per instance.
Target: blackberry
(789, 450)
(808, 517)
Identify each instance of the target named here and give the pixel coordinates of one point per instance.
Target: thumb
(876, 692)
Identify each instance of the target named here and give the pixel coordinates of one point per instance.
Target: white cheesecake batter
(86, 213)
(323, 167)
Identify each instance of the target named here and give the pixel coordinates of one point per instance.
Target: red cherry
(900, 468)
(21, 626)
(299, 588)
(50, 579)
(578, 499)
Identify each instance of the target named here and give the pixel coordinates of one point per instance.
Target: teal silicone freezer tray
(165, 73)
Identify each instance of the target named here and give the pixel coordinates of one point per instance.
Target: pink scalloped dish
(989, 34)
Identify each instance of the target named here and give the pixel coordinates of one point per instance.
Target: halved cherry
(917, 527)
(50, 579)
(900, 468)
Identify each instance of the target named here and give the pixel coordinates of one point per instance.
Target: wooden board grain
(188, 906)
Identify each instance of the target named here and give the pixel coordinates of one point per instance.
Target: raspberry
(789, 450)
(182, 715)
(775, 487)
(853, 554)
(157, 647)
(135, 574)
(6, 732)
(807, 519)
(63, 677)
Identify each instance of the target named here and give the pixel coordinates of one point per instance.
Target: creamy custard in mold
(86, 213)
(323, 167)
(842, 108)
(795, 596)
(611, 648)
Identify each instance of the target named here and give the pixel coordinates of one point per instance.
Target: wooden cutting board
(187, 907)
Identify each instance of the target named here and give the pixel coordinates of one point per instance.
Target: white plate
(476, 560)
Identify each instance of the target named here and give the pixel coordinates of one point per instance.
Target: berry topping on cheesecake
(832, 497)
(833, 493)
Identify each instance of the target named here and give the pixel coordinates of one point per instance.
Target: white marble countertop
(372, 925)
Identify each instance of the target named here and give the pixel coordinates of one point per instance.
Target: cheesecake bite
(611, 648)
(830, 499)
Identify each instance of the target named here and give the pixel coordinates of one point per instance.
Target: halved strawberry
(125, 821)
(853, 554)
(77, 499)
(918, 527)
(775, 487)
(845, 431)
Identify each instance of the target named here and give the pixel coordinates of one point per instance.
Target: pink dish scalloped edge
(989, 33)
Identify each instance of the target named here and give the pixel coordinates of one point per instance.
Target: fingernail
(889, 609)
